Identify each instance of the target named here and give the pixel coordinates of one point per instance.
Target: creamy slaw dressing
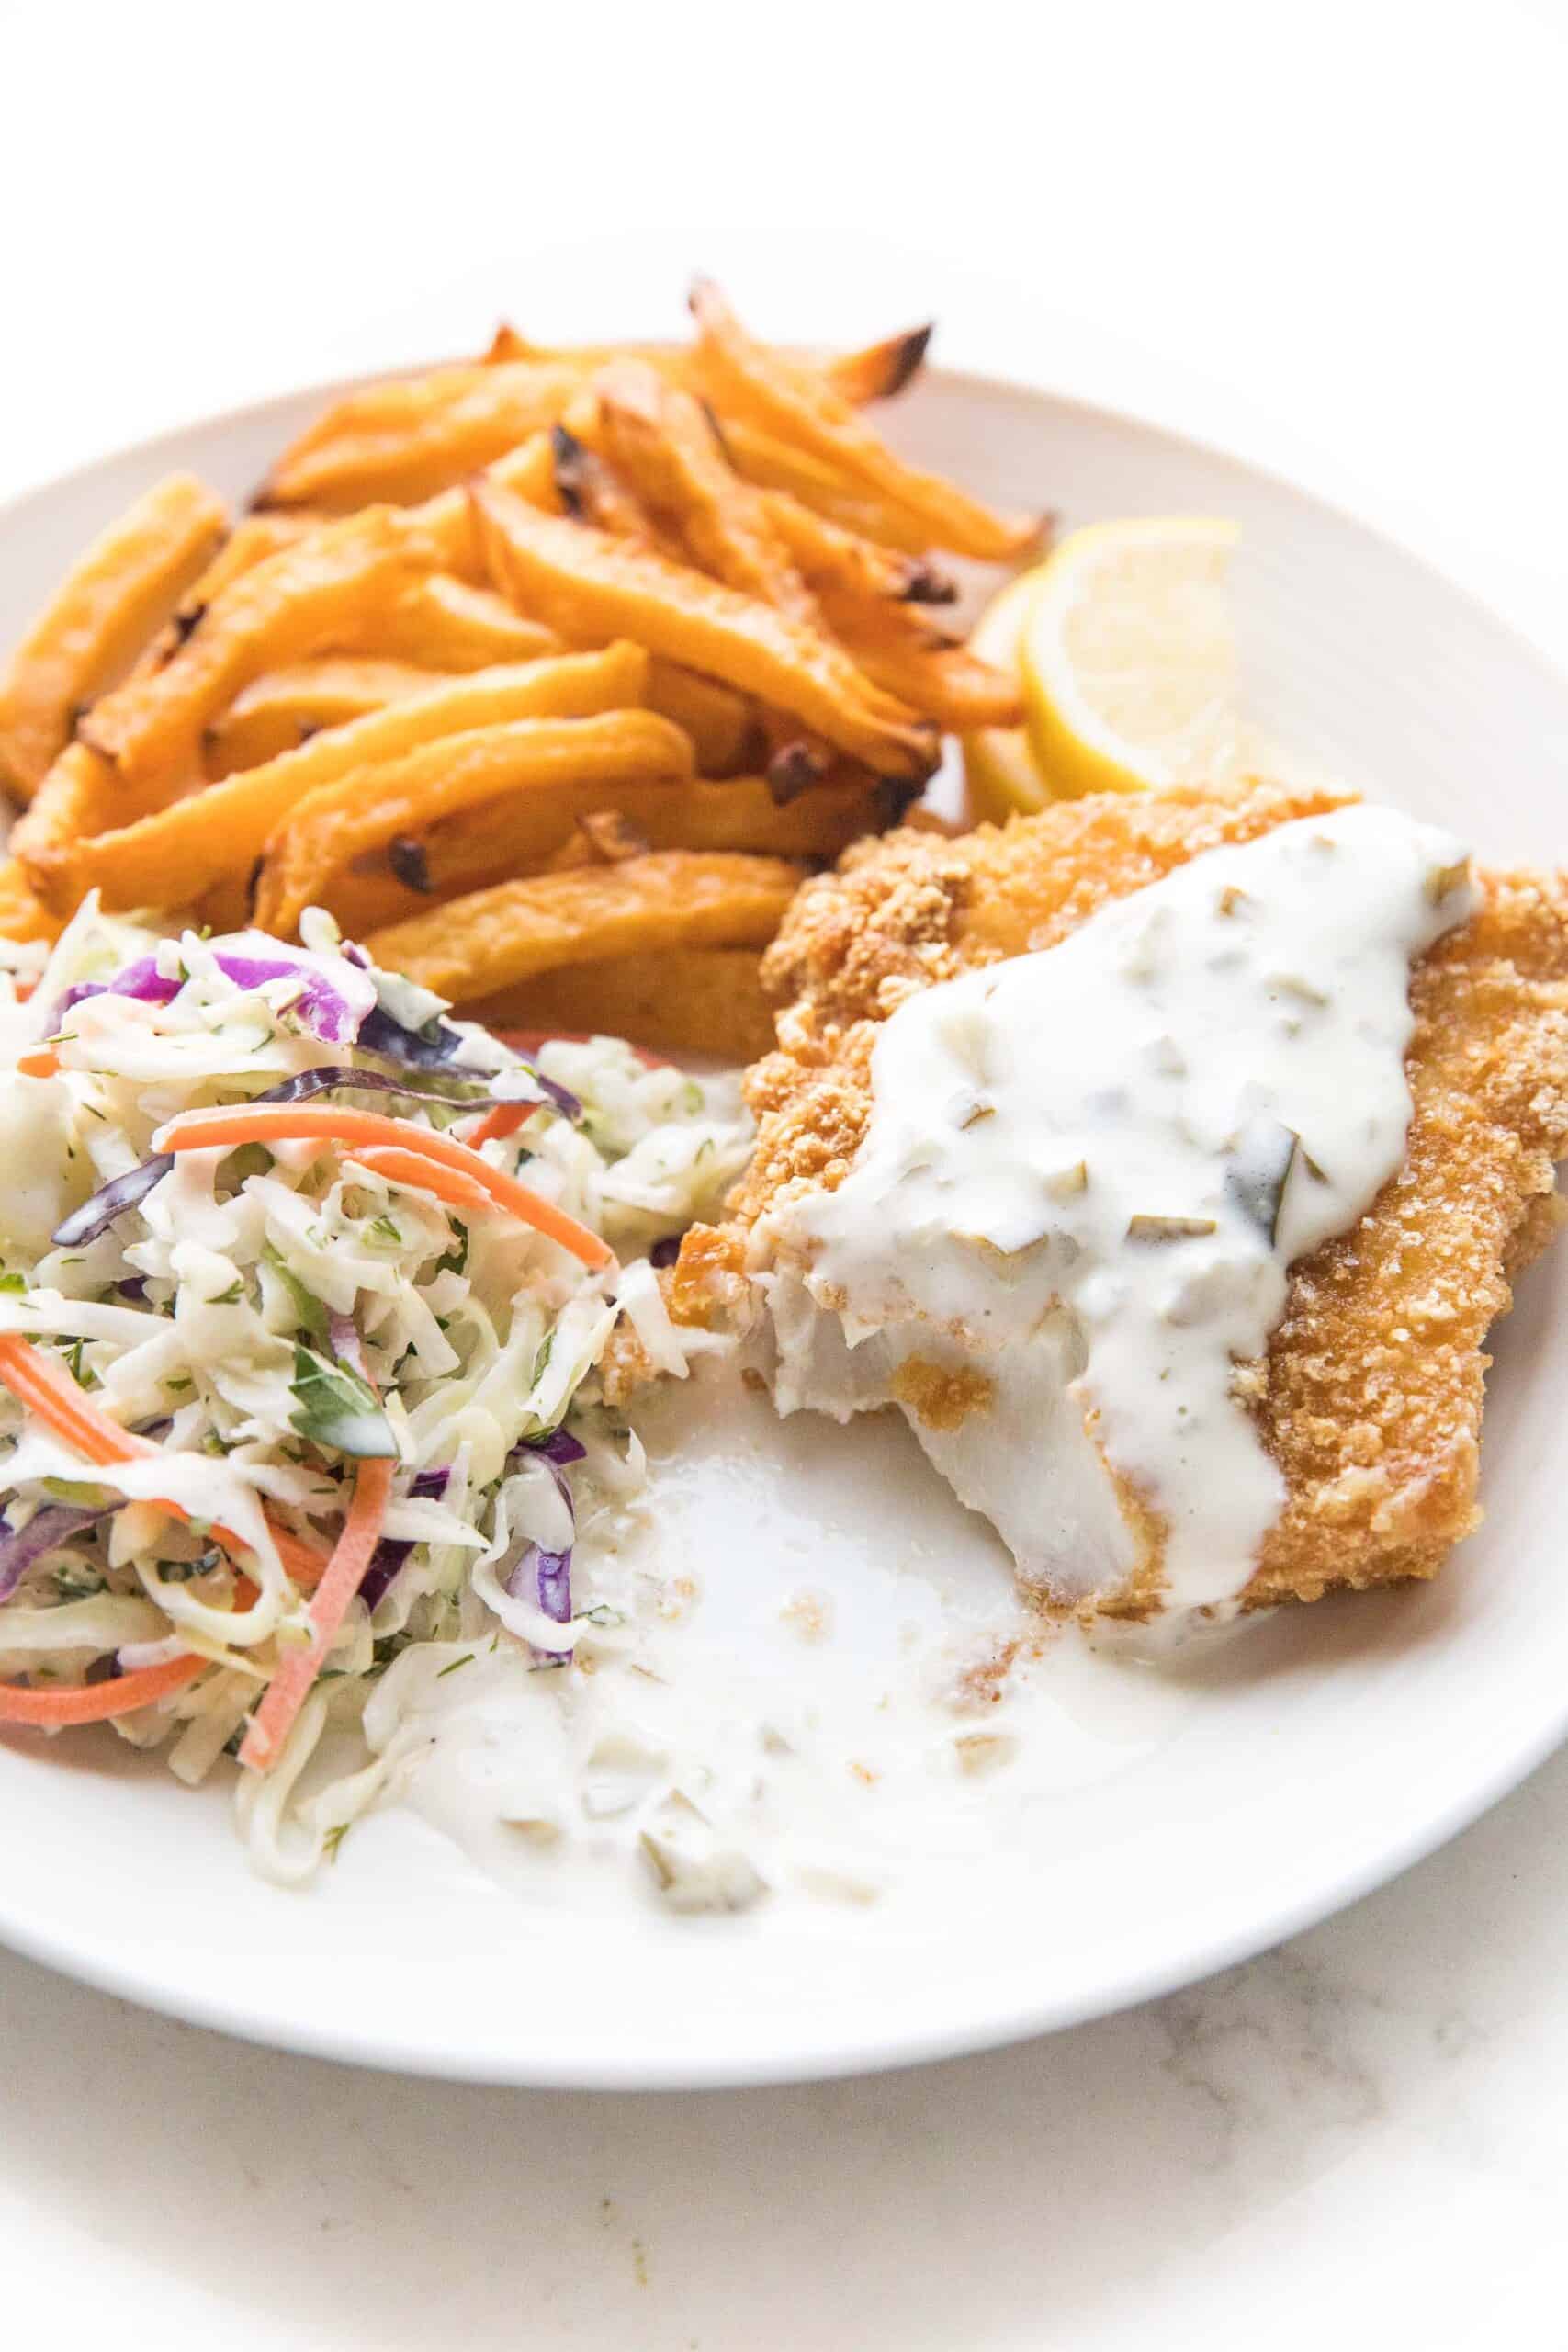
(817, 1719)
(260, 1320)
(1087, 1173)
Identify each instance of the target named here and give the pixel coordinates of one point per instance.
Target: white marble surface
(1362, 2133)
(1329, 239)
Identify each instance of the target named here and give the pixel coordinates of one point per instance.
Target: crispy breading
(1370, 1398)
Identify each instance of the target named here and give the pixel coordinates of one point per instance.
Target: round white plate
(1256, 1789)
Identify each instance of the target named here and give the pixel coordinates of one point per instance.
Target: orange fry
(907, 656)
(723, 725)
(539, 825)
(111, 603)
(365, 811)
(660, 439)
(591, 587)
(591, 492)
(881, 369)
(477, 945)
(81, 796)
(798, 406)
(23, 915)
(279, 710)
(401, 442)
(302, 601)
(202, 840)
(827, 552)
(442, 623)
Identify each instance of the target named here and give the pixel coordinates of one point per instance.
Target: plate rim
(895, 2047)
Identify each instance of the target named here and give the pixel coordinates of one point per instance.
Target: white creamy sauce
(810, 1681)
(1086, 1175)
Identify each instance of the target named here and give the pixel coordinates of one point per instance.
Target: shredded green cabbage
(203, 1315)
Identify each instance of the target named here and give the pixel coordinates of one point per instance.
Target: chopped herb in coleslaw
(305, 1287)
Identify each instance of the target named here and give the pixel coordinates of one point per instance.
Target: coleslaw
(306, 1295)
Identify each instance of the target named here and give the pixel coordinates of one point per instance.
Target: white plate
(1260, 1788)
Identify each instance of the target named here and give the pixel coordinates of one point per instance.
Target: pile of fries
(548, 675)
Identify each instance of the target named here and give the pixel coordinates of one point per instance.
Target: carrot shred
(458, 1191)
(290, 1686)
(97, 1703)
(303, 1122)
(44, 1063)
(497, 1126)
(48, 1390)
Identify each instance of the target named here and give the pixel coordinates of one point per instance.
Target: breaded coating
(1369, 1399)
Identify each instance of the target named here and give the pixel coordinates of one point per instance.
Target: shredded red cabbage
(346, 1346)
(424, 1048)
(554, 1585)
(565, 1100)
(434, 1046)
(329, 1014)
(47, 1530)
(549, 1571)
(98, 1212)
(391, 1554)
(557, 1446)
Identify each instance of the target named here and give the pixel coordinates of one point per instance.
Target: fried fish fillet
(1370, 1398)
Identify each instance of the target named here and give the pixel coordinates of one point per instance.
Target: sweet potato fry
(794, 759)
(829, 555)
(880, 371)
(367, 810)
(308, 598)
(106, 609)
(723, 724)
(252, 541)
(761, 457)
(527, 830)
(952, 687)
(589, 493)
(23, 916)
(442, 623)
(81, 795)
(875, 373)
(676, 999)
(504, 345)
(201, 841)
(905, 654)
(281, 710)
(798, 406)
(403, 442)
(529, 470)
(497, 938)
(664, 443)
(608, 838)
(446, 521)
(590, 587)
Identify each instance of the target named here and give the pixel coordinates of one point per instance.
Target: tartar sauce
(1086, 1176)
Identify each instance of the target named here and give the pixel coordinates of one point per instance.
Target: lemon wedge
(1128, 658)
(1002, 772)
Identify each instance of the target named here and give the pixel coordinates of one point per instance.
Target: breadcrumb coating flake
(1370, 1398)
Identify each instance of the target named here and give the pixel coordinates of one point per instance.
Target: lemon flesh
(1128, 658)
(1000, 767)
